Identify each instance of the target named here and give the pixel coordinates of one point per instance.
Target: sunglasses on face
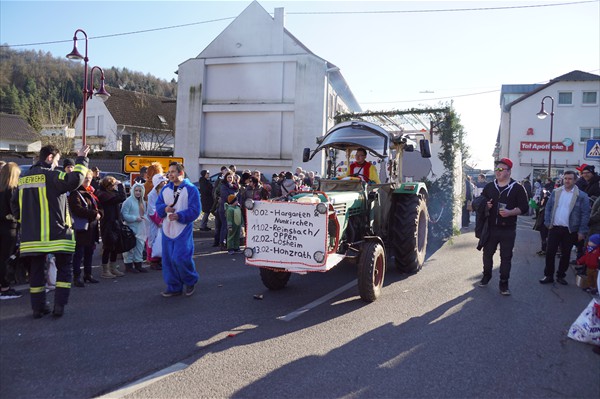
(500, 169)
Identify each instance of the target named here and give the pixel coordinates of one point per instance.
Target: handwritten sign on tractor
(286, 235)
(133, 163)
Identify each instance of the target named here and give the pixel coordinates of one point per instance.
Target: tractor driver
(362, 168)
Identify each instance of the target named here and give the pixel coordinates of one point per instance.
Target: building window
(100, 125)
(91, 123)
(587, 133)
(590, 98)
(565, 98)
(163, 121)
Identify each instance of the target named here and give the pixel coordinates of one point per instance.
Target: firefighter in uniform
(41, 206)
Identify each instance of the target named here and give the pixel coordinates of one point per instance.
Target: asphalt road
(432, 334)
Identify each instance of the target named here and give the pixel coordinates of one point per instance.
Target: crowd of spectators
(218, 197)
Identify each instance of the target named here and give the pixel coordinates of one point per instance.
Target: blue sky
(390, 52)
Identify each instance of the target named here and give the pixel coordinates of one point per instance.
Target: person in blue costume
(179, 204)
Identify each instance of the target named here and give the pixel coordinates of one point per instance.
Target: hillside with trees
(48, 90)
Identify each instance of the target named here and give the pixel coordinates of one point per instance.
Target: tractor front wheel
(371, 271)
(274, 280)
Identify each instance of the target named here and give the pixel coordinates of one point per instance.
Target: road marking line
(143, 382)
(306, 308)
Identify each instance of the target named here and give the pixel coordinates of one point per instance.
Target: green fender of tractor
(411, 188)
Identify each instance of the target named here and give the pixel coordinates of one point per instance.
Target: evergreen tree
(49, 90)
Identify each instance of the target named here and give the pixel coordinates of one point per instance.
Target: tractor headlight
(322, 208)
(248, 252)
(319, 256)
(249, 203)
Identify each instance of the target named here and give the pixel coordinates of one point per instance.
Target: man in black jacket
(506, 200)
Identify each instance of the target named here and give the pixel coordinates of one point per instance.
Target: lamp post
(542, 115)
(87, 91)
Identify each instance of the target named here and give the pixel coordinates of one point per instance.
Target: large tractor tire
(274, 280)
(371, 270)
(409, 232)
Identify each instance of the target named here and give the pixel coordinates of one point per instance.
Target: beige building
(525, 139)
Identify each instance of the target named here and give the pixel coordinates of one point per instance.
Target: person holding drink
(506, 199)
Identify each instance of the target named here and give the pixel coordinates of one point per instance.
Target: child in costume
(154, 223)
(179, 204)
(233, 214)
(590, 260)
(134, 214)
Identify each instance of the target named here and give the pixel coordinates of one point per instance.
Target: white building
(525, 139)
(57, 131)
(17, 135)
(141, 121)
(255, 97)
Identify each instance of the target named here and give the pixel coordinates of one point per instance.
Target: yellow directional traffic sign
(133, 163)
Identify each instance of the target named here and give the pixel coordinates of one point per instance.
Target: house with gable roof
(525, 139)
(142, 121)
(17, 135)
(255, 97)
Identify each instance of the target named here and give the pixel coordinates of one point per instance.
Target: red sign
(544, 146)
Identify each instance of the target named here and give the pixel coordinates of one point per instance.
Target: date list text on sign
(286, 235)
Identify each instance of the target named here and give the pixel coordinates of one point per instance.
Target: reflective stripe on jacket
(43, 209)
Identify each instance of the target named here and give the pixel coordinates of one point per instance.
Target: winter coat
(257, 194)
(482, 214)
(9, 223)
(513, 195)
(527, 187)
(83, 205)
(594, 222)
(206, 194)
(226, 189)
(275, 189)
(110, 201)
(132, 209)
(590, 259)
(579, 210)
(593, 188)
(41, 206)
(288, 186)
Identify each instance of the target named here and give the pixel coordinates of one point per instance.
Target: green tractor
(344, 217)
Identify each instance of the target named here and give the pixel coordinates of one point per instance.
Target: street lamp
(87, 92)
(542, 115)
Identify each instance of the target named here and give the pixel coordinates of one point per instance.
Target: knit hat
(580, 168)
(157, 179)
(232, 198)
(590, 168)
(68, 162)
(594, 238)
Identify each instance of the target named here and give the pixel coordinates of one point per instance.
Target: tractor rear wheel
(274, 280)
(371, 270)
(409, 232)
